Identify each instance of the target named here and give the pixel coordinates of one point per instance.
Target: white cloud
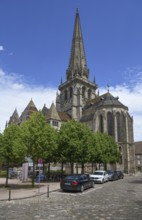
(1, 48)
(16, 94)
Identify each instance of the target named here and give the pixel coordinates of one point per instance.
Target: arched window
(101, 125)
(83, 92)
(71, 92)
(123, 129)
(89, 93)
(120, 158)
(118, 119)
(110, 124)
(66, 94)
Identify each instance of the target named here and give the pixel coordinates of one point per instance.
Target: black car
(77, 182)
(112, 175)
(120, 174)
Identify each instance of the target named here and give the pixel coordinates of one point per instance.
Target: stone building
(78, 99)
(138, 156)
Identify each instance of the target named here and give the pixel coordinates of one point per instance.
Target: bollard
(47, 190)
(9, 194)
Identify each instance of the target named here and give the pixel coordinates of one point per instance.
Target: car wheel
(81, 188)
(93, 184)
(102, 181)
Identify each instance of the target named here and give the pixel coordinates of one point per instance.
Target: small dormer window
(55, 123)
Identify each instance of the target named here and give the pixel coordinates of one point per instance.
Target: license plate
(67, 184)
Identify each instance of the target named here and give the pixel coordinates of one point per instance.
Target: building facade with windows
(78, 98)
(138, 156)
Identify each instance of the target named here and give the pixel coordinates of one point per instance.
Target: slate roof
(14, 118)
(105, 100)
(87, 118)
(45, 110)
(28, 111)
(64, 116)
(52, 113)
(138, 147)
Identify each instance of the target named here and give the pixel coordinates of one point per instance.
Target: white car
(99, 176)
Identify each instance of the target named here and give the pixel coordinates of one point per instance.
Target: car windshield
(110, 172)
(72, 178)
(98, 173)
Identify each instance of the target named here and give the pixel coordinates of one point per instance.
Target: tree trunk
(62, 167)
(105, 166)
(76, 168)
(72, 168)
(33, 176)
(92, 167)
(7, 171)
(82, 166)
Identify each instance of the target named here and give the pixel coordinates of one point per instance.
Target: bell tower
(77, 89)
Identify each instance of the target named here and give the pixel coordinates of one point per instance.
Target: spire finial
(108, 88)
(94, 80)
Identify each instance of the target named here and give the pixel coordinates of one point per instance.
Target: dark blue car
(77, 182)
(40, 178)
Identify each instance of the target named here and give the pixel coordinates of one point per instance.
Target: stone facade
(138, 156)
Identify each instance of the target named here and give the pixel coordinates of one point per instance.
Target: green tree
(74, 143)
(40, 139)
(13, 150)
(105, 149)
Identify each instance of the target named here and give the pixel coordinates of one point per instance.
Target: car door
(85, 181)
(105, 176)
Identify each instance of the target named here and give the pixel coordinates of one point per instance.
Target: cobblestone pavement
(118, 200)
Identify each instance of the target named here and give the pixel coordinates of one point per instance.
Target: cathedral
(78, 99)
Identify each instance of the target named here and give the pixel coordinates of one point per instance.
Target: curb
(28, 197)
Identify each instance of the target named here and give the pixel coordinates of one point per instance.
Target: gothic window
(120, 150)
(83, 92)
(110, 124)
(101, 125)
(118, 126)
(70, 92)
(123, 129)
(66, 95)
(89, 93)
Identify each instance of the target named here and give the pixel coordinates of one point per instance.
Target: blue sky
(35, 43)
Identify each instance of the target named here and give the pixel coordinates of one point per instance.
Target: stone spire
(28, 111)
(14, 118)
(77, 63)
(52, 113)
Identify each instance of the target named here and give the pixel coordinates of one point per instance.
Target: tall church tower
(77, 89)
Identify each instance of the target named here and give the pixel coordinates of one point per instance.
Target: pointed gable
(14, 118)
(45, 110)
(28, 111)
(53, 114)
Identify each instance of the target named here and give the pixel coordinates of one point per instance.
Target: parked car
(77, 182)
(120, 174)
(112, 175)
(40, 178)
(99, 176)
(12, 174)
